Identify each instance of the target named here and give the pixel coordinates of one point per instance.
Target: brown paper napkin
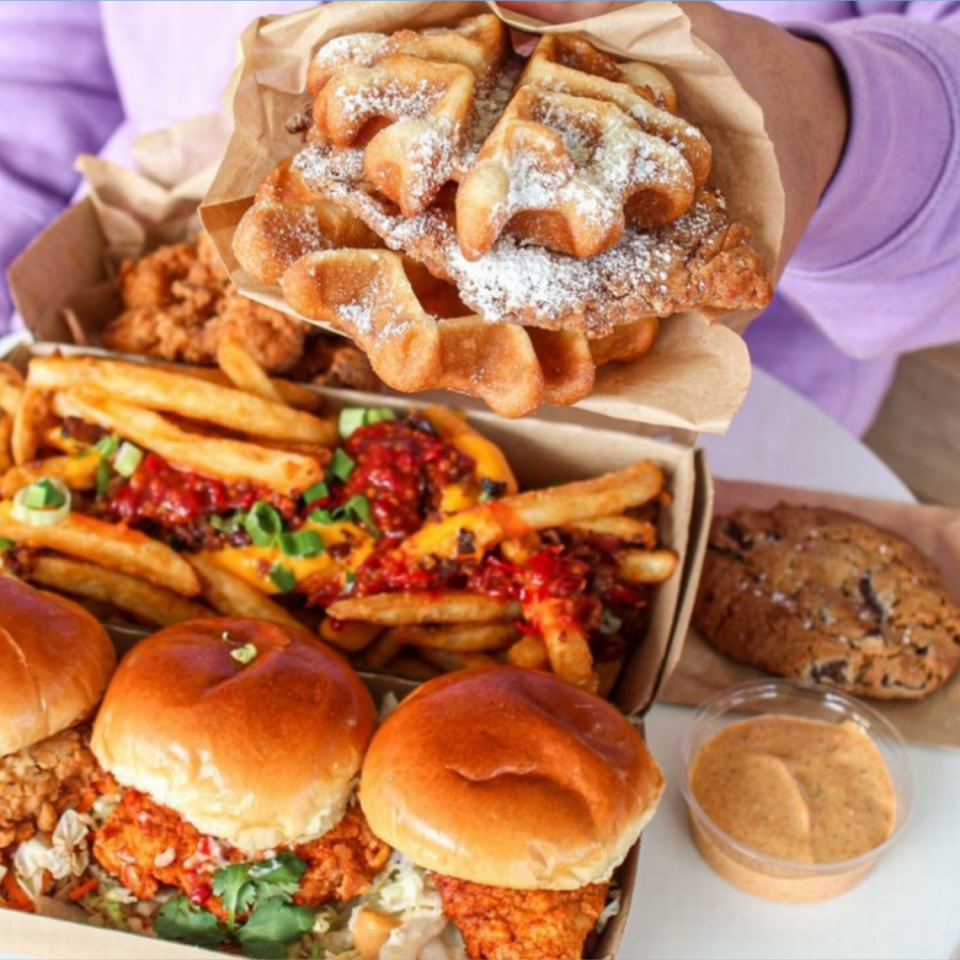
(935, 721)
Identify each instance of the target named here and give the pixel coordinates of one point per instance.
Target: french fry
(491, 462)
(461, 638)
(409, 609)
(412, 668)
(647, 566)
(233, 597)
(29, 423)
(244, 372)
(78, 473)
(11, 389)
(627, 529)
(195, 399)
(608, 673)
(568, 645)
(492, 522)
(228, 459)
(316, 452)
(530, 652)
(115, 547)
(146, 602)
(381, 652)
(449, 660)
(349, 637)
(6, 432)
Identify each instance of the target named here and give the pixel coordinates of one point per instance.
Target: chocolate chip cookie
(823, 596)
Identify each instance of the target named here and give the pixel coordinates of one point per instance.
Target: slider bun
(510, 778)
(260, 754)
(55, 661)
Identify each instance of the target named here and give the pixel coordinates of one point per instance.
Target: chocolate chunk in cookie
(823, 596)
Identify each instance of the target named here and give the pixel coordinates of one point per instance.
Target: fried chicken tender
(342, 862)
(39, 783)
(500, 924)
(148, 846)
(179, 304)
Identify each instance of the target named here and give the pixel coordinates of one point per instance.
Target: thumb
(561, 11)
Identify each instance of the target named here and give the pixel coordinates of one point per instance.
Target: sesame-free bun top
(510, 778)
(55, 661)
(251, 731)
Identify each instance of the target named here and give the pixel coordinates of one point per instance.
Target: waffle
(407, 101)
(416, 339)
(543, 214)
(288, 220)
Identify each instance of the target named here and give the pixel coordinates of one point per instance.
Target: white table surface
(909, 907)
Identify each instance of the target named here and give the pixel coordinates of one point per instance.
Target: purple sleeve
(879, 269)
(58, 99)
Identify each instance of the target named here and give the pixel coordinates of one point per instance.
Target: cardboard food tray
(933, 721)
(541, 454)
(698, 373)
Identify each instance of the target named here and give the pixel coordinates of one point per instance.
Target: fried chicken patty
(38, 783)
(147, 846)
(501, 924)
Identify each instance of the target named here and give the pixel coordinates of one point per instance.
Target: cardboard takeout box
(541, 453)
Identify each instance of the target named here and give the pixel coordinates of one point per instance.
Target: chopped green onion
(319, 491)
(128, 458)
(378, 415)
(610, 624)
(45, 493)
(342, 466)
(228, 525)
(42, 504)
(108, 446)
(282, 578)
(6, 544)
(245, 654)
(351, 418)
(264, 524)
(359, 508)
(323, 517)
(304, 543)
(103, 477)
(350, 578)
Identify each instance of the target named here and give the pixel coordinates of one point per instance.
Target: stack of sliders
(495, 226)
(171, 494)
(495, 806)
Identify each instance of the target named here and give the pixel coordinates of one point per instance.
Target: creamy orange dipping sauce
(795, 789)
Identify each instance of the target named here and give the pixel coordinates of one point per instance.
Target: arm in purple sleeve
(58, 99)
(879, 268)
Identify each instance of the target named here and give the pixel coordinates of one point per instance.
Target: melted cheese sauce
(795, 789)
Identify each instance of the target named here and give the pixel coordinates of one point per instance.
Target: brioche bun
(55, 661)
(260, 753)
(510, 778)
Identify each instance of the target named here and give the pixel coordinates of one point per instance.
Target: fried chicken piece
(273, 339)
(148, 846)
(330, 361)
(39, 783)
(341, 863)
(500, 924)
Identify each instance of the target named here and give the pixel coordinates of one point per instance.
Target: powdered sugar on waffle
(658, 272)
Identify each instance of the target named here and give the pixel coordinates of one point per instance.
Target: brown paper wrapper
(697, 376)
(935, 721)
(124, 214)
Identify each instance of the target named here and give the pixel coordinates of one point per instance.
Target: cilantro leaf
(272, 927)
(237, 894)
(278, 876)
(178, 919)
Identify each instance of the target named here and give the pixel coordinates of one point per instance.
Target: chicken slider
(521, 795)
(55, 661)
(235, 741)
